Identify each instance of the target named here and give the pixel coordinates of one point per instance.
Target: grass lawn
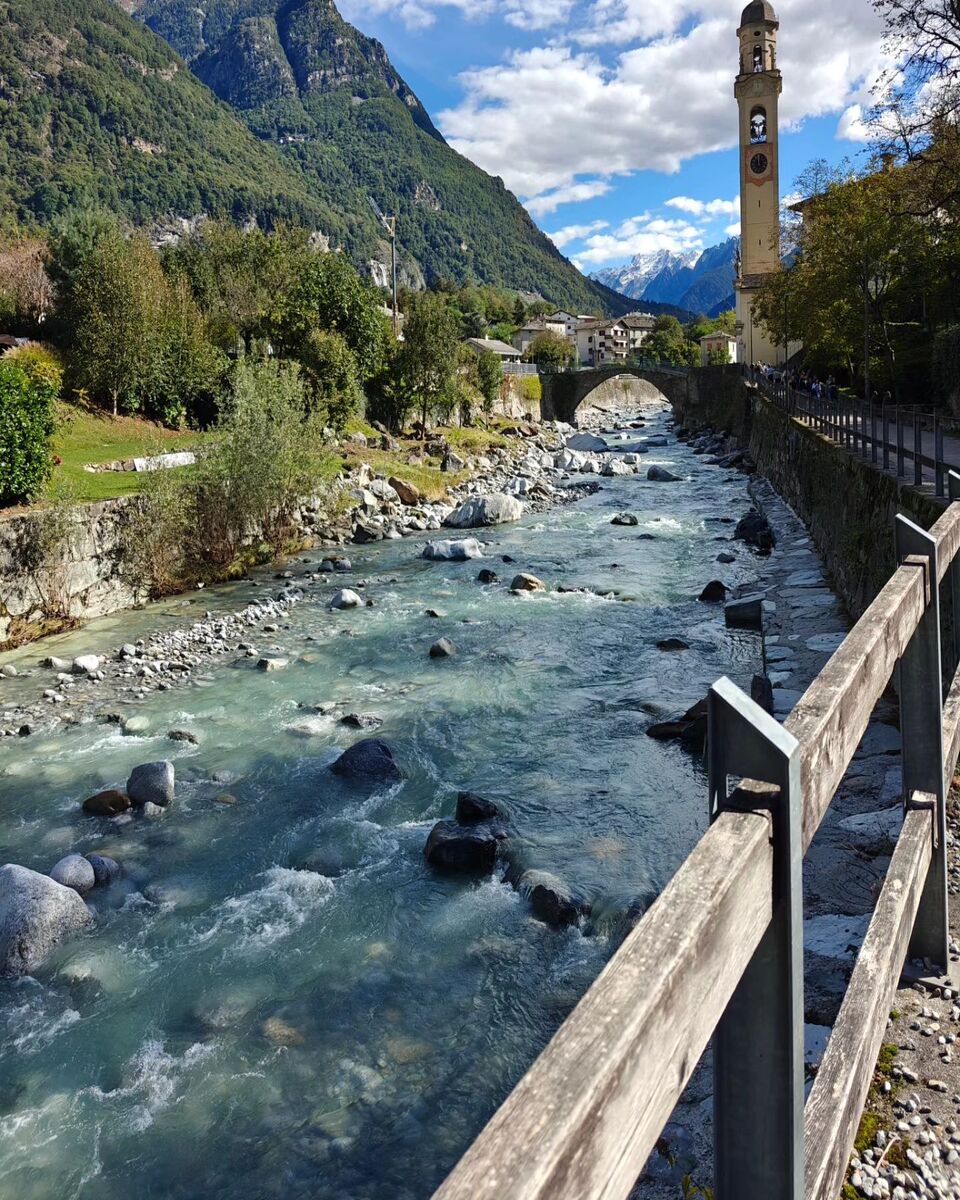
(89, 436)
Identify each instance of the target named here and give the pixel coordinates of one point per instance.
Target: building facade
(758, 87)
(602, 343)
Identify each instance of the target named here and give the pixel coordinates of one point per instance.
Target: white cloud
(705, 208)
(547, 116)
(538, 14)
(574, 233)
(415, 14)
(733, 230)
(851, 126)
(573, 193)
(638, 236)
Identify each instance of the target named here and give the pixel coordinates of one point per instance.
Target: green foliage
(489, 378)
(429, 356)
(332, 369)
(531, 389)
(668, 344)
(945, 367)
(549, 349)
(28, 392)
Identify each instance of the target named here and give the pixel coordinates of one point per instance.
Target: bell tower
(758, 89)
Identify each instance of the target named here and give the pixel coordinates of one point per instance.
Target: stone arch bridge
(562, 393)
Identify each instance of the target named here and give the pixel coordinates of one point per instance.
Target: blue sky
(614, 120)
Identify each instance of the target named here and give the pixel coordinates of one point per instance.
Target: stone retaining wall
(848, 504)
(60, 565)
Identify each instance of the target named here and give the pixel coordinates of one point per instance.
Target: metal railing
(720, 953)
(884, 434)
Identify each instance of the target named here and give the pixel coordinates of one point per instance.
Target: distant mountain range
(698, 281)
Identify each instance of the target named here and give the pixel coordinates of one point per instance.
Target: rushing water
(281, 999)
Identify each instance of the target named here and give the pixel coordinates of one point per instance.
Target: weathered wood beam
(832, 716)
(951, 728)
(946, 529)
(582, 1122)
(834, 1107)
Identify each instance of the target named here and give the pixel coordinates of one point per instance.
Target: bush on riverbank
(30, 380)
(238, 504)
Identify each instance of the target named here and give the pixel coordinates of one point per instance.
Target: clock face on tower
(759, 164)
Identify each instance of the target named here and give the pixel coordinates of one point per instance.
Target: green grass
(87, 436)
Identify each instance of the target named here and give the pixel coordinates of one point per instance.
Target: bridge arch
(564, 392)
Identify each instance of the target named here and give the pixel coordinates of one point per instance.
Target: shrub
(945, 367)
(29, 387)
(531, 389)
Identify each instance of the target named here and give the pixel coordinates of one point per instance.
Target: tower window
(758, 58)
(758, 124)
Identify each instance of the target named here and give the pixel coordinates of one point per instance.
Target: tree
(330, 366)
(489, 378)
(429, 357)
(549, 349)
(29, 387)
(24, 280)
(667, 344)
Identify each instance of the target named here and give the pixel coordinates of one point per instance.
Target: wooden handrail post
(758, 1045)
(919, 685)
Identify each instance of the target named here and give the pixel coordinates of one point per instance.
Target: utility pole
(390, 225)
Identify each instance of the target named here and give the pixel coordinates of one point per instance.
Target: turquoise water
(281, 999)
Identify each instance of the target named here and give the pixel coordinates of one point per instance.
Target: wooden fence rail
(720, 953)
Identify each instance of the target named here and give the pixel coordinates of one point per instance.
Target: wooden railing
(885, 434)
(720, 953)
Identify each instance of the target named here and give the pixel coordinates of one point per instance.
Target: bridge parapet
(562, 393)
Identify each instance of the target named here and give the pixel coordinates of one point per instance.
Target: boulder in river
(443, 648)
(86, 664)
(756, 531)
(105, 869)
(152, 783)
(372, 759)
(625, 518)
(272, 663)
(662, 475)
(690, 729)
(616, 466)
(714, 593)
(472, 808)
(36, 913)
(585, 441)
(361, 721)
(527, 583)
(453, 551)
(673, 643)
(488, 576)
(107, 804)
(485, 510)
(552, 899)
(746, 612)
(467, 849)
(73, 871)
(345, 598)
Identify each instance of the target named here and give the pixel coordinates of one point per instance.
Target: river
(281, 999)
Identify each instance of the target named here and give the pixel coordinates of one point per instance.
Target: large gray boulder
(36, 913)
(485, 510)
(75, 872)
(152, 783)
(585, 441)
(464, 849)
(453, 550)
(346, 598)
(369, 760)
(662, 475)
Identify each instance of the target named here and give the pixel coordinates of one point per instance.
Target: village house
(718, 348)
(600, 342)
(505, 352)
(532, 329)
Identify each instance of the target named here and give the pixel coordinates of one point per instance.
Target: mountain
(699, 283)
(97, 111)
(342, 123)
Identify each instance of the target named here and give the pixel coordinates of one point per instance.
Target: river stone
(625, 518)
(345, 598)
(361, 721)
(107, 804)
(585, 441)
(73, 871)
(183, 735)
(58, 664)
(673, 643)
(370, 759)
(552, 900)
(135, 725)
(470, 849)
(690, 729)
(472, 808)
(714, 593)
(485, 510)
(272, 664)
(407, 493)
(756, 531)
(726, 558)
(662, 475)
(443, 648)
(86, 664)
(453, 551)
(744, 613)
(488, 576)
(36, 913)
(105, 869)
(616, 466)
(527, 583)
(152, 783)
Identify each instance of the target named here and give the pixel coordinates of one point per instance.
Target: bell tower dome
(757, 89)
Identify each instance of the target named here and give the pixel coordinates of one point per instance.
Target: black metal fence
(885, 434)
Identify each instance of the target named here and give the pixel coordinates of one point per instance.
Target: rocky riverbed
(278, 982)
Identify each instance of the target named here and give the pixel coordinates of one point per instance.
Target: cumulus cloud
(573, 193)
(705, 208)
(543, 117)
(733, 230)
(573, 233)
(640, 235)
(851, 127)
